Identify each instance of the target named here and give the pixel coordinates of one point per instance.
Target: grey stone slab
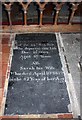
(72, 45)
(36, 84)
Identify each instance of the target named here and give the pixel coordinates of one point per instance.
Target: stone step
(61, 116)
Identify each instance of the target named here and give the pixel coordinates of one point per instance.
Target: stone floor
(71, 43)
(72, 49)
(4, 55)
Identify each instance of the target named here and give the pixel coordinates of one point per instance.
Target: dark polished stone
(36, 84)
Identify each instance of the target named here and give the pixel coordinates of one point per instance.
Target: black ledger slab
(36, 84)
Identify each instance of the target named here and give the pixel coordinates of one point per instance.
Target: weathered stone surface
(37, 84)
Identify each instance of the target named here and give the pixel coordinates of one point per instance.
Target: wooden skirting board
(43, 28)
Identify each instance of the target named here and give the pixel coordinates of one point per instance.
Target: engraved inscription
(36, 54)
(36, 84)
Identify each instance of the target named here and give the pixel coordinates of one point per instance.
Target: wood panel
(44, 28)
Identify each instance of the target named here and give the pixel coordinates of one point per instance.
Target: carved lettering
(35, 55)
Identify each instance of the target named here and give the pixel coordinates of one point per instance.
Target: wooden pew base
(43, 28)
